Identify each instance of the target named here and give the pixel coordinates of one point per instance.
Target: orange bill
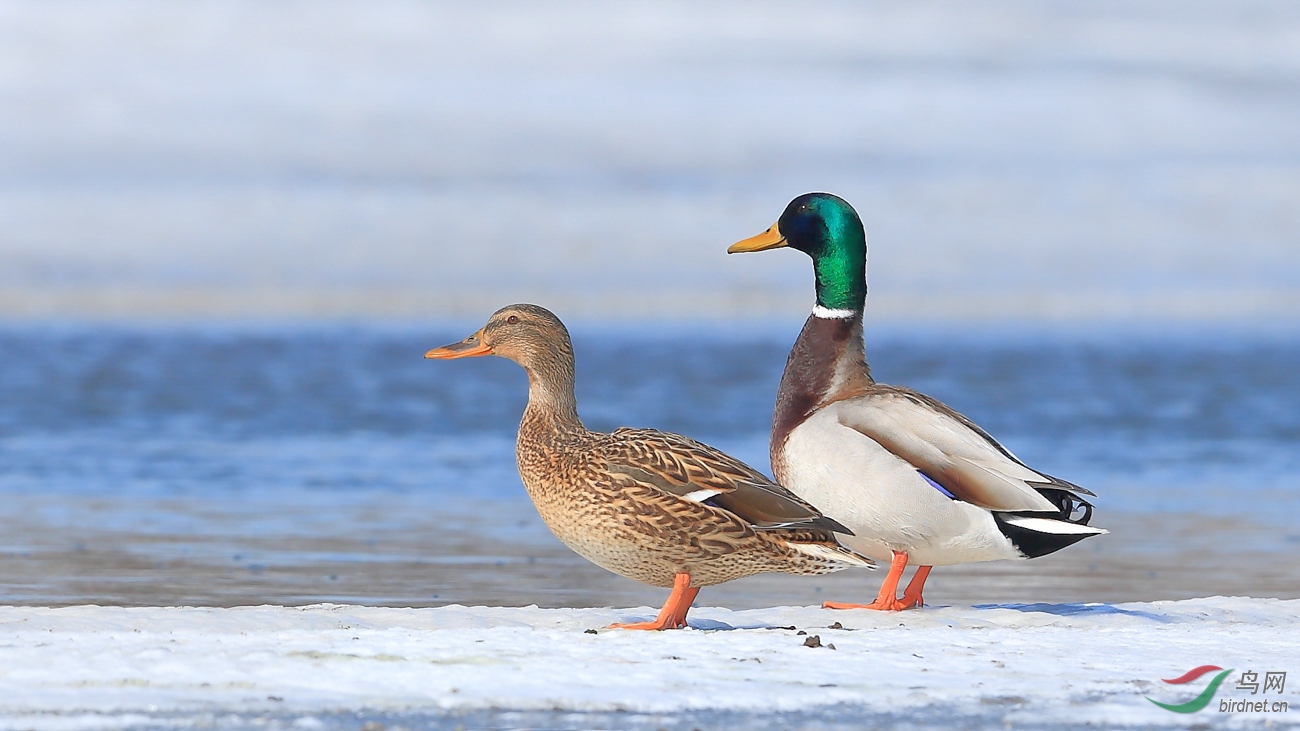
(468, 348)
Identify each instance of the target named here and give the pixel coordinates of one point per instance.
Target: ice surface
(1029, 664)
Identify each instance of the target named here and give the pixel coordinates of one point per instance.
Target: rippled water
(244, 465)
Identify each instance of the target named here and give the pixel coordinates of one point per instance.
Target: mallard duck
(915, 480)
(649, 505)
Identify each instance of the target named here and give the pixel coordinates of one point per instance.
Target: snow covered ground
(332, 666)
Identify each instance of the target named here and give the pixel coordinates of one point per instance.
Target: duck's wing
(950, 450)
(693, 471)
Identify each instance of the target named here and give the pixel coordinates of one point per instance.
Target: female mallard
(914, 479)
(652, 506)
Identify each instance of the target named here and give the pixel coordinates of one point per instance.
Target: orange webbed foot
(887, 604)
(912, 597)
(911, 600)
(673, 614)
(887, 600)
(655, 625)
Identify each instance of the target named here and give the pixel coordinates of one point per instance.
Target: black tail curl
(1074, 509)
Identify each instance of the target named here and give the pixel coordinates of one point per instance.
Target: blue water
(259, 447)
(350, 408)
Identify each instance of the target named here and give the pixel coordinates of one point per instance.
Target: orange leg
(673, 615)
(887, 599)
(912, 594)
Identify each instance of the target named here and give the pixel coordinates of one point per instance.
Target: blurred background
(1034, 160)
(228, 230)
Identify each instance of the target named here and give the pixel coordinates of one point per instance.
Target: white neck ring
(827, 313)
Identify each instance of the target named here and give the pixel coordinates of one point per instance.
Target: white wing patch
(700, 496)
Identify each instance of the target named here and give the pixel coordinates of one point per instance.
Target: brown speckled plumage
(646, 504)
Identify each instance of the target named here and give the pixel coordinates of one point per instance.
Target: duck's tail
(1036, 534)
(826, 549)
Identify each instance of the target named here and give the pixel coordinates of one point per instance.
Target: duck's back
(647, 505)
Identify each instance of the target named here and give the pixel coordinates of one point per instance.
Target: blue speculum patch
(936, 485)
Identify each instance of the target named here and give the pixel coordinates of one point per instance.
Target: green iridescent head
(827, 229)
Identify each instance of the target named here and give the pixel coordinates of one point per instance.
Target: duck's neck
(825, 365)
(552, 406)
(840, 270)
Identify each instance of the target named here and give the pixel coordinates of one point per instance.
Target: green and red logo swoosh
(1206, 695)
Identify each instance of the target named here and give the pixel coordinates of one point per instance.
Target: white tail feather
(1056, 527)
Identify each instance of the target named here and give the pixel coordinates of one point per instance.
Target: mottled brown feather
(618, 500)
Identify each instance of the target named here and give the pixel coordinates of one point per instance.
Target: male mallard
(652, 506)
(914, 479)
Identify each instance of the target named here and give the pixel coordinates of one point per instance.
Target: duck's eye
(512, 319)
